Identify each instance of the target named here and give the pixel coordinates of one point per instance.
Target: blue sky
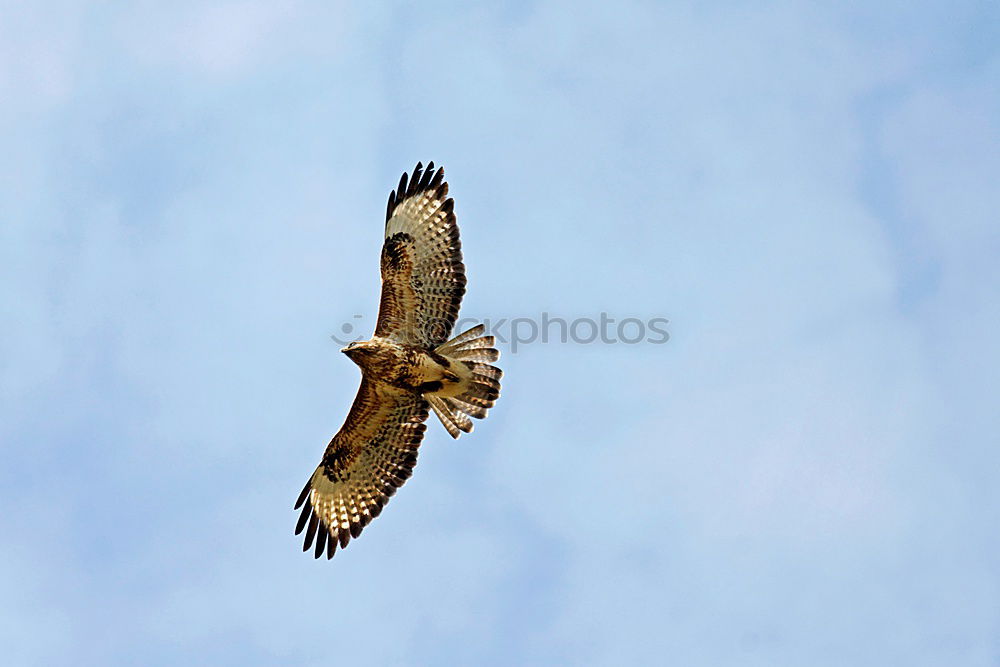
(191, 199)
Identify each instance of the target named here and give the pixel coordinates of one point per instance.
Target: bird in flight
(407, 368)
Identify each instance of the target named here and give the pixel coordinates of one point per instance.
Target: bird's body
(408, 368)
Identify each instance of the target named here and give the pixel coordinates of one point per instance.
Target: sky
(805, 473)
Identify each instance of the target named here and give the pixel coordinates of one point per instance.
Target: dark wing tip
(391, 206)
(331, 546)
(420, 181)
(303, 495)
(301, 523)
(438, 179)
(310, 532)
(401, 188)
(321, 538)
(326, 542)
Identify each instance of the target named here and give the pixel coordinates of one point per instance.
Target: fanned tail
(482, 388)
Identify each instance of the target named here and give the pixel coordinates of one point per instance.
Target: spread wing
(371, 456)
(423, 278)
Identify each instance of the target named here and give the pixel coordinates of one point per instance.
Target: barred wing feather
(423, 277)
(371, 456)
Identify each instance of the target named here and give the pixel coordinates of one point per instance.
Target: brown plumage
(408, 368)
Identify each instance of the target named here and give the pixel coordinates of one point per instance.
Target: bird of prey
(408, 367)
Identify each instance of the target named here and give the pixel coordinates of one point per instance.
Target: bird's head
(359, 351)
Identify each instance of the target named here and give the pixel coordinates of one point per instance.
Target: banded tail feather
(480, 388)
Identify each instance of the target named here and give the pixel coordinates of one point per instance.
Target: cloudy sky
(806, 473)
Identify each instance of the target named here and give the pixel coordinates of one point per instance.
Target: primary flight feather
(407, 368)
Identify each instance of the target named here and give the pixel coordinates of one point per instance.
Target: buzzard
(407, 368)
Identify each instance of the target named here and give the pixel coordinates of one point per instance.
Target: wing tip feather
(310, 532)
(415, 182)
(325, 533)
(303, 495)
